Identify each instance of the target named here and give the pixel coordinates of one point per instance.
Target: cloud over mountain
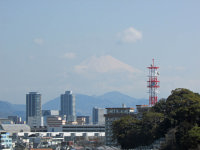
(104, 64)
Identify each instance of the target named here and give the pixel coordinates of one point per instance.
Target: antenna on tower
(153, 83)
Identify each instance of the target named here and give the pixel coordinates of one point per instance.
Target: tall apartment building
(98, 116)
(112, 115)
(33, 109)
(67, 106)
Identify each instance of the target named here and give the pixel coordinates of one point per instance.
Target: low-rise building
(15, 119)
(35, 121)
(87, 119)
(46, 113)
(5, 141)
(98, 116)
(5, 121)
(55, 123)
(41, 149)
(142, 108)
(83, 128)
(81, 120)
(114, 114)
(15, 128)
(56, 140)
(39, 129)
(72, 123)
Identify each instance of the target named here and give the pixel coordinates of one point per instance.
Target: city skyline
(95, 47)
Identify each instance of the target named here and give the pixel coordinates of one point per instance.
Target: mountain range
(84, 104)
(8, 109)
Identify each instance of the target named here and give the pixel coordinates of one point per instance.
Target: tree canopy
(181, 111)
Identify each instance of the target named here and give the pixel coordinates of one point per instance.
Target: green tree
(183, 105)
(194, 137)
(124, 129)
(131, 132)
(181, 135)
(150, 124)
(183, 111)
(160, 106)
(180, 111)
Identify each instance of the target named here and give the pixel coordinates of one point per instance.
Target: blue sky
(93, 47)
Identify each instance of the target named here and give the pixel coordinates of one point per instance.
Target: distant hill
(8, 109)
(85, 103)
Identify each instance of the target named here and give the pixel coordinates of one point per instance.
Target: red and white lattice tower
(153, 84)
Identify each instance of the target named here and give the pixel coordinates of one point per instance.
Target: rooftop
(15, 127)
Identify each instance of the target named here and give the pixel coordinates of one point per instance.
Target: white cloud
(106, 73)
(104, 64)
(130, 35)
(69, 55)
(39, 41)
